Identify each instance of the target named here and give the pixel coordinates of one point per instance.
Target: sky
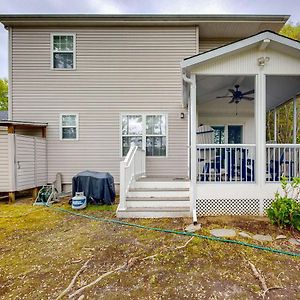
(282, 7)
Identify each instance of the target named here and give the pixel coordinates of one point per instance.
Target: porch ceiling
(280, 89)
(210, 87)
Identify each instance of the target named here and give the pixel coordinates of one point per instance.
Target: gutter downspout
(192, 141)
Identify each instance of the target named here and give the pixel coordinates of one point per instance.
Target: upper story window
(63, 51)
(69, 126)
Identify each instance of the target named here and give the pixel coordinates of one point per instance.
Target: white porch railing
(132, 167)
(224, 163)
(282, 160)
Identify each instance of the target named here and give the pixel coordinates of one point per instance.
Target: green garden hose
(211, 238)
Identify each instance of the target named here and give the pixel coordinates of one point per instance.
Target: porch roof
(260, 40)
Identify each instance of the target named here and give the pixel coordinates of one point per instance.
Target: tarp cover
(97, 186)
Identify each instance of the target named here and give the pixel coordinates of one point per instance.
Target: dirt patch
(41, 250)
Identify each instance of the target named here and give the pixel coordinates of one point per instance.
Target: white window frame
(61, 126)
(144, 135)
(52, 35)
(226, 130)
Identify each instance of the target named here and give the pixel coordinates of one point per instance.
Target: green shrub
(285, 210)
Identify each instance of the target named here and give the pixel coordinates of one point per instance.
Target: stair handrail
(131, 168)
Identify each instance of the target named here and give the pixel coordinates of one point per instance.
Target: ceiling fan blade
(231, 91)
(232, 100)
(248, 98)
(248, 93)
(219, 97)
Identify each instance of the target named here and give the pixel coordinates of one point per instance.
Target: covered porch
(243, 103)
(225, 135)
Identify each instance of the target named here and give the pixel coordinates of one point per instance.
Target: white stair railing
(131, 168)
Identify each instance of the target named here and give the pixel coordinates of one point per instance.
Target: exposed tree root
(125, 266)
(79, 291)
(63, 293)
(183, 246)
(258, 274)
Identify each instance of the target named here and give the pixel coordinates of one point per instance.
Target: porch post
(11, 162)
(193, 165)
(275, 125)
(260, 110)
(295, 120)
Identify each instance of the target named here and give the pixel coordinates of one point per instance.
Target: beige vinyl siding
(207, 45)
(118, 70)
(4, 166)
(245, 62)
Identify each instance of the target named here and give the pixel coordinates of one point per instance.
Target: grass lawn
(41, 250)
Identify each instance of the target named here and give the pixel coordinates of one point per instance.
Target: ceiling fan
(237, 95)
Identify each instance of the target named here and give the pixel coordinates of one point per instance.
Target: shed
(23, 156)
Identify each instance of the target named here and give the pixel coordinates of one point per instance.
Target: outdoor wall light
(182, 115)
(263, 60)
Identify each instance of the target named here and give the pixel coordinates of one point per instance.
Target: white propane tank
(79, 201)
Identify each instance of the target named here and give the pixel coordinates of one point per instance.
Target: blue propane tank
(79, 201)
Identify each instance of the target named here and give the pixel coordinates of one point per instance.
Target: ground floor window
(69, 126)
(148, 131)
(228, 134)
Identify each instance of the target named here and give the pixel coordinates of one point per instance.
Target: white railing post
(193, 190)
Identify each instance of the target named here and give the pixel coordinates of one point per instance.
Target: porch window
(146, 131)
(235, 134)
(219, 134)
(63, 51)
(228, 134)
(69, 127)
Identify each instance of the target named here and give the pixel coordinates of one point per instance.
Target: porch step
(160, 184)
(158, 192)
(159, 202)
(154, 212)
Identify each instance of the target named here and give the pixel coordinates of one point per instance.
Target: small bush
(285, 210)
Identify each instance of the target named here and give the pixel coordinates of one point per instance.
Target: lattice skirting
(217, 207)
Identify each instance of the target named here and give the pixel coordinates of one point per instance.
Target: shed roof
(22, 124)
